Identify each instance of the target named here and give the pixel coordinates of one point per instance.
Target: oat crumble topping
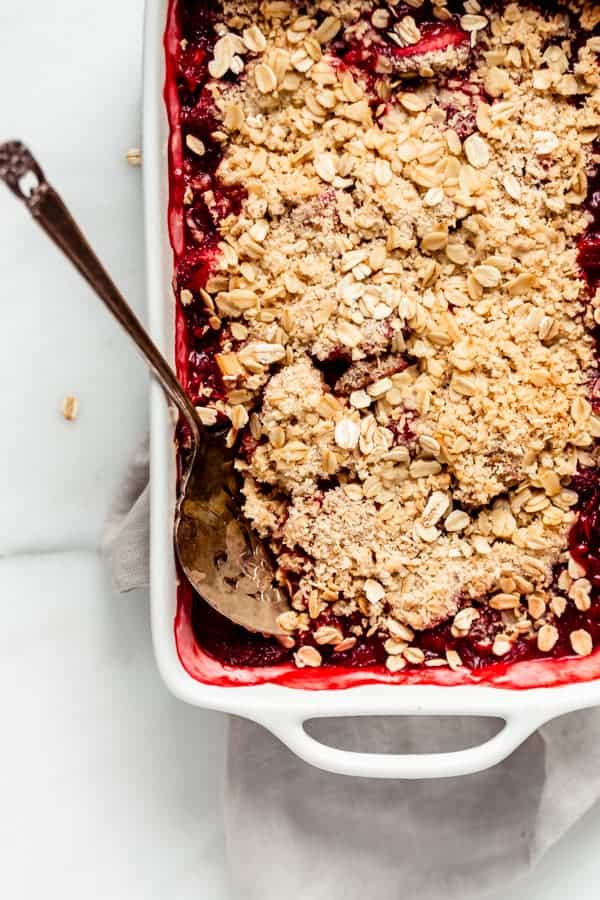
(408, 334)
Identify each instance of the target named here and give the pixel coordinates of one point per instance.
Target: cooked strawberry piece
(193, 65)
(199, 114)
(380, 57)
(435, 37)
(589, 254)
(200, 222)
(205, 377)
(198, 21)
(204, 343)
(194, 267)
(368, 651)
(228, 199)
(365, 372)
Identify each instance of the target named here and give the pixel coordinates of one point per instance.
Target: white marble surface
(108, 786)
(70, 87)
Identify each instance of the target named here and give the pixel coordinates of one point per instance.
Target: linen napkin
(295, 831)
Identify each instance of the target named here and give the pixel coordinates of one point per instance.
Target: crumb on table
(70, 408)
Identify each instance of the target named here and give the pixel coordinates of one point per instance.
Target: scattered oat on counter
(70, 408)
(134, 156)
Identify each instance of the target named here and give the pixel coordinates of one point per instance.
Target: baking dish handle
(517, 728)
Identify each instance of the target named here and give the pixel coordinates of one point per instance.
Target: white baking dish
(283, 710)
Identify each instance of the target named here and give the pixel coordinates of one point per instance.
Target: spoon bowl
(221, 556)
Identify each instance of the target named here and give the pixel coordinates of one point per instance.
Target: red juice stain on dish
(211, 647)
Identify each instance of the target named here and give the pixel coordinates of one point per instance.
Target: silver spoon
(221, 556)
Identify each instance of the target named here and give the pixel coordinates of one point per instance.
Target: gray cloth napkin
(296, 830)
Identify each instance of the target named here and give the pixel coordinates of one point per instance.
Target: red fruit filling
(584, 539)
(193, 64)
(589, 243)
(193, 268)
(589, 256)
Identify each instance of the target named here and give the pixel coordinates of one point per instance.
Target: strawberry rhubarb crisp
(387, 288)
